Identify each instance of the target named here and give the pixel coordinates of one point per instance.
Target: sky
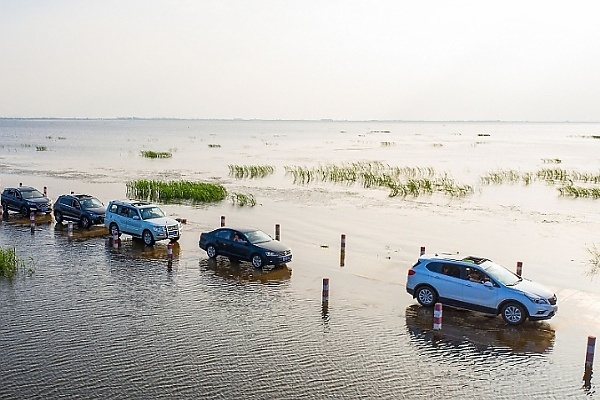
(428, 60)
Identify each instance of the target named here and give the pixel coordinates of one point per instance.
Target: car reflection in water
(20, 220)
(80, 234)
(483, 332)
(243, 272)
(136, 249)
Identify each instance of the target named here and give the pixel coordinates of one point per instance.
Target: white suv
(479, 284)
(142, 220)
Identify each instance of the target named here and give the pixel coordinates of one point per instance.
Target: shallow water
(99, 321)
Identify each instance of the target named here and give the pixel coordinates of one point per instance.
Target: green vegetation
(10, 263)
(156, 154)
(176, 191)
(251, 171)
(212, 145)
(595, 259)
(387, 144)
(579, 191)
(551, 160)
(41, 148)
(401, 181)
(242, 199)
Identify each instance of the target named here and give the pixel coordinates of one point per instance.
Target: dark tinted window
(64, 200)
(224, 234)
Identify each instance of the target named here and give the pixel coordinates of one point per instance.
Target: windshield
(500, 273)
(151, 212)
(91, 203)
(31, 194)
(258, 237)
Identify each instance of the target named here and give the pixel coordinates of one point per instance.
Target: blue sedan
(246, 244)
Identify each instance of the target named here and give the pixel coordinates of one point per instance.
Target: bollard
(115, 238)
(20, 184)
(422, 250)
(437, 317)
(70, 228)
(170, 252)
(32, 218)
(589, 356)
(325, 290)
(46, 191)
(343, 250)
(222, 220)
(519, 268)
(277, 232)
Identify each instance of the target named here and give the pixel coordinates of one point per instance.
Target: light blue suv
(142, 220)
(479, 284)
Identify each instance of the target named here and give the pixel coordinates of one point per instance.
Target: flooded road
(95, 320)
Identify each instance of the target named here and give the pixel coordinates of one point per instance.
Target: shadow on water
(136, 249)
(80, 234)
(243, 272)
(19, 220)
(483, 332)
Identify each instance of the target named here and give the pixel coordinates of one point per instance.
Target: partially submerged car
(25, 199)
(81, 208)
(479, 284)
(141, 219)
(245, 244)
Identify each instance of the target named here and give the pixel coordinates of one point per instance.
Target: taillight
(411, 272)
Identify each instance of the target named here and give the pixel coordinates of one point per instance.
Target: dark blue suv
(25, 199)
(81, 208)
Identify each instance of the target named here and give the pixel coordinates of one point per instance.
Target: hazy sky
(277, 59)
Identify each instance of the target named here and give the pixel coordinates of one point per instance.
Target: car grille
(172, 231)
(552, 300)
(285, 253)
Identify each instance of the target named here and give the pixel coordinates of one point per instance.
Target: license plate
(286, 258)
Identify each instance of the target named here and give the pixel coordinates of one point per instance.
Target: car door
(240, 247)
(224, 242)
(476, 292)
(15, 200)
(447, 281)
(134, 222)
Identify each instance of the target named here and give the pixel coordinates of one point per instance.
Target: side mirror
(136, 217)
(488, 284)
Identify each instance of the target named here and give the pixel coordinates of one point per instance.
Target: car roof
(454, 258)
(22, 188)
(240, 229)
(133, 203)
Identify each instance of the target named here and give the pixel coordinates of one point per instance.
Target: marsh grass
(388, 144)
(551, 160)
(251, 171)
(400, 181)
(176, 191)
(579, 191)
(242, 199)
(595, 259)
(156, 154)
(41, 148)
(212, 145)
(11, 264)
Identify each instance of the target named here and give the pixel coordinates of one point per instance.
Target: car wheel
(426, 296)
(513, 313)
(25, 211)
(85, 222)
(257, 261)
(211, 251)
(147, 238)
(58, 217)
(114, 228)
(173, 240)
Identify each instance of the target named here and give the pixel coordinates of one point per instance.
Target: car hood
(39, 200)
(273, 245)
(162, 221)
(530, 287)
(97, 210)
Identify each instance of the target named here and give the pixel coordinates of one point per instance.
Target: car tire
(211, 251)
(85, 222)
(147, 237)
(426, 296)
(25, 211)
(257, 261)
(5, 208)
(58, 217)
(114, 227)
(513, 313)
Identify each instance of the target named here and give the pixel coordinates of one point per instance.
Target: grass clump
(242, 199)
(212, 145)
(251, 171)
(579, 191)
(156, 154)
(41, 148)
(176, 191)
(10, 263)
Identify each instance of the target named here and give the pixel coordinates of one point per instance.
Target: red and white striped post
(325, 290)
(519, 268)
(170, 252)
(115, 238)
(222, 220)
(437, 317)
(343, 250)
(32, 218)
(422, 250)
(70, 228)
(277, 232)
(589, 355)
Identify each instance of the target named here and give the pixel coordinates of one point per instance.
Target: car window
(258, 237)
(113, 208)
(151, 212)
(500, 273)
(91, 202)
(124, 211)
(32, 194)
(451, 270)
(224, 234)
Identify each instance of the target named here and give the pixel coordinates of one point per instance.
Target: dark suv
(25, 199)
(82, 208)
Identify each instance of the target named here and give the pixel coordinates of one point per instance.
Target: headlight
(271, 254)
(537, 300)
(158, 229)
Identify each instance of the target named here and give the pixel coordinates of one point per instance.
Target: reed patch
(11, 264)
(156, 154)
(176, 191)
(250, 171)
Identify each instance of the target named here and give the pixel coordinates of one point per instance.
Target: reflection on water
(485, 333)
(243, 272)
